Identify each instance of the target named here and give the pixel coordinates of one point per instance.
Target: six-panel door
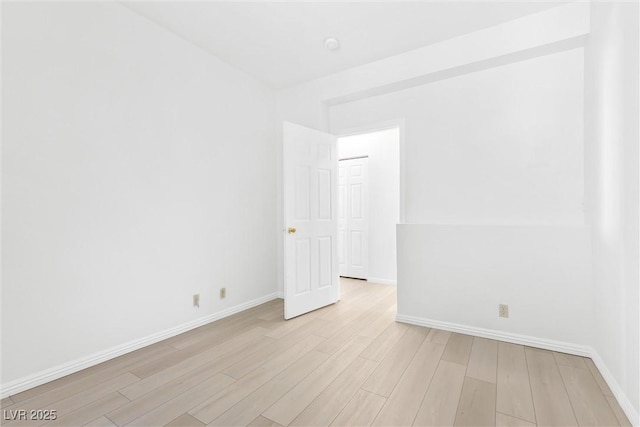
(353, 222)
(310, 261)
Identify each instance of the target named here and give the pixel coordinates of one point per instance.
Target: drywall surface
(500, 146)
(382, 149)
(460, 274)
(612, 123)
(134, 176)
(562, 23)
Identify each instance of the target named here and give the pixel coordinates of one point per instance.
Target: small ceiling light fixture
(331, 43)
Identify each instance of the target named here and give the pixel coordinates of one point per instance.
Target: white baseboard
(579, 350)
(618, 393)
(563, 347)
(79, 364)
(382, 281)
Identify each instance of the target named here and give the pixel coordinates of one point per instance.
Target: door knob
(291, 230)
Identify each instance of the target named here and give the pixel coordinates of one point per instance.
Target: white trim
(403, 175)
(79, 364)
(382, 281)
(369, 128)
(618, 393)
(280, 294)
(563, 347)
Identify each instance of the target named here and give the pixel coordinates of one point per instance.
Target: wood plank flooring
(346, 364)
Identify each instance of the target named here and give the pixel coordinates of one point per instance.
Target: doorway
(353, 217)
(369, 169)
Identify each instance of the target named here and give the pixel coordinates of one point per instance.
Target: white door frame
(378, 126)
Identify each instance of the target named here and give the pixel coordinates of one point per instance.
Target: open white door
(310, 165)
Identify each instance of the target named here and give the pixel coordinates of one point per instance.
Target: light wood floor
(347, 364)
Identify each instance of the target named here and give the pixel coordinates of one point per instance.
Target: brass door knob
(291, 230)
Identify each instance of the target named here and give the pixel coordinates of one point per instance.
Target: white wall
(612, 135)
(500, 146)
(134, 176)
(383, 149)
(458, 275)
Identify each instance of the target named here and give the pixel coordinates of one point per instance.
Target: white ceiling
(282, 43)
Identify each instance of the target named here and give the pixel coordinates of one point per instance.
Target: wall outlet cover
(503, 310)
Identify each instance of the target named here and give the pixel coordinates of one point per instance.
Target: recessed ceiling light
(331, 43)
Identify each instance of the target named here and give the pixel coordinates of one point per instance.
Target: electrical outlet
(503, 310)
(196, 300)
(223, 293)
